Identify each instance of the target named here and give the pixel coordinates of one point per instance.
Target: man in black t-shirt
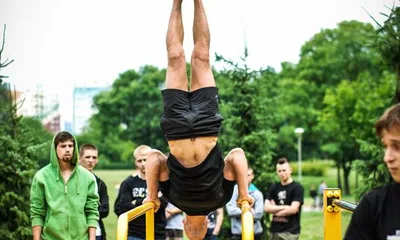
(195, 177)
(377, 216)
(284, 201)
(88, 158)
(132, 192)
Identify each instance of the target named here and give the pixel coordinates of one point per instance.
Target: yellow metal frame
(247, 222)
(148, 209)
(332, 214)
(125, 218)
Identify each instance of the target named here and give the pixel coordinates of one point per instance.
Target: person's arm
(258, 205)
(289, 210)
(271, 207)
(104, 206)
(235, 169)
(36, 231)
(92, 233)
(172, 211)
(92, 205)
(156, 168)
(37, 208)
(231, 207)
(219, 220)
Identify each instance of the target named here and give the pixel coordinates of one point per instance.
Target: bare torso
(192, 152)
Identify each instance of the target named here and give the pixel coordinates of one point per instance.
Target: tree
(246, 116)
(19, 146)
(388, 44)
(129, 114)
(341, 53)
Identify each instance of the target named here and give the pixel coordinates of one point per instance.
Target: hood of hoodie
(53, 153)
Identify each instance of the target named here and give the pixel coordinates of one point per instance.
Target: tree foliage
(387, 43)
(22, 144)
(246, 116)
(128, 114)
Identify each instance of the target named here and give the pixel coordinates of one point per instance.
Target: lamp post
(299, 132)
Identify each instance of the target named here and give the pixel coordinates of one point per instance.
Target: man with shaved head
(284, 201)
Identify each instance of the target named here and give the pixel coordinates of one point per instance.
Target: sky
(62, 44)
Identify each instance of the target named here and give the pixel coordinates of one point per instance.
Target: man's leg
(236, 169)
(201, 74)
(176, 71)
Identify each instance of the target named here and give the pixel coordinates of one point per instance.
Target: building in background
(83, 106)
(42, 105)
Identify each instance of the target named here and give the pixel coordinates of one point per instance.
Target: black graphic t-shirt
(285, 195)
(377, 216)
(131, 194)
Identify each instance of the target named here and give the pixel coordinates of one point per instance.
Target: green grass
(312, 225)
(112, 178)
(311, 222)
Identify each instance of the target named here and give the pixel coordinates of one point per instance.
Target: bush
(312, 167)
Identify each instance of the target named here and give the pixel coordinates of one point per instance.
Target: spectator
(88, 158)
(64, 200)
(313, 195)
(174, 227)
(131, 194)
(321, 189)
(215, 219)
(235, 213)
(377, 216)
(284, 201)
(195, 177)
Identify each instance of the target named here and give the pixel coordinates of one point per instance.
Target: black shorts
(190, 114)
(196, 210)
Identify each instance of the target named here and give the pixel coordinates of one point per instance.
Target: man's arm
(236, 170)
(289, 210)
(92, 233)
(36, 231)
(104, 207)
(37, 207)
(271, 207)
(156, 170)
(171, 212)
(219, 220)
(296, 201)
(92, 206)
(258, 205)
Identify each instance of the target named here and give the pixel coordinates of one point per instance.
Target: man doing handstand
(195, 177)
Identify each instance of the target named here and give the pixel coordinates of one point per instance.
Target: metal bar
(345, 205)
(247, 222)
(125, 218)
(150, 224)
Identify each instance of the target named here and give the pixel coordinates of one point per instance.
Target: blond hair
(142, 149)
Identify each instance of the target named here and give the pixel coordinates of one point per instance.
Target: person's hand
(247, 198)
(156, 202)
(168, 213)
(137, 202)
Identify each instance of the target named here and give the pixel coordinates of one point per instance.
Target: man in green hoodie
(64, 199)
